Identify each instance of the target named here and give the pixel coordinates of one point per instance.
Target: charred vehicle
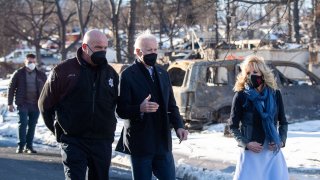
(203, 90)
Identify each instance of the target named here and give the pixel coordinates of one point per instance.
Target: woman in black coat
(258, 123)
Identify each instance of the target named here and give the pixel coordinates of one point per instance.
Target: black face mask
(150, 59)
(255, 80)
(98, 57)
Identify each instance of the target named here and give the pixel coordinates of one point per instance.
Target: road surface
(42, 165)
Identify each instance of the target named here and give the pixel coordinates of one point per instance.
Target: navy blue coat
(136, 134)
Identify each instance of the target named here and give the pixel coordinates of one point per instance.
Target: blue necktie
(150, 70)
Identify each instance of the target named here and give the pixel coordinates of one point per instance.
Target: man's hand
(182, 134)
(255, 147)
(146, 106)
(11, 108)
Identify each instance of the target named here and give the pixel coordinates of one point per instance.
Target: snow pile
(185, 171)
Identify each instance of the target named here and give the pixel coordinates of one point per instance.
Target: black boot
(19, 150)
(29, 150)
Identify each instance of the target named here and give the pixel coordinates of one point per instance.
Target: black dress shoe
(29, 150)
(19, 150)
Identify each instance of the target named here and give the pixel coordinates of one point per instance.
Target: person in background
(78, 105)
(25, 86)
(147, 102)
(257, 109)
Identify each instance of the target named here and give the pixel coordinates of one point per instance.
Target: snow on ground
(302, 151)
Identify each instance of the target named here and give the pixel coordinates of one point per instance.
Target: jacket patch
(110, 81)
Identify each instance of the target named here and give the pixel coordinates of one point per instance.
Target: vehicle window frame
(309, 80)
(173, 80)
(217, 79)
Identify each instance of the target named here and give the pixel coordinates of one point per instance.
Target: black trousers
(161, 165)
(80, 154)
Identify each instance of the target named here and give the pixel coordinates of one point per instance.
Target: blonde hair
(258, 64)
(145, 35)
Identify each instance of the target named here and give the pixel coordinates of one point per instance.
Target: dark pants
(78, 154)
(28, 118)
(162, 167)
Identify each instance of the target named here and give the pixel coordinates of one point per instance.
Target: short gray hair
(141, 37)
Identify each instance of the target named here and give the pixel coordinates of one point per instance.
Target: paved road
(43, 165)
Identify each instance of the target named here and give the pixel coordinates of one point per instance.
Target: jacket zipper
(94, 96)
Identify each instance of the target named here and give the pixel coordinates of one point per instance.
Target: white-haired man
(147, 101)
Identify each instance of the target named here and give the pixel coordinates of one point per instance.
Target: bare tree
(170, 17)
(64, 17)
(8, 40)
(316, 20)
(115, 9)
(131, 31)
(228, 21)
(109, 12)
(296, 20)
(289, 17)
(216, 28)
(62, 29)
(83, 22)
(31, 22)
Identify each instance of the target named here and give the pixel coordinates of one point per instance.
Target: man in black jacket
(147, 101)
(78, 105)
(26, 85)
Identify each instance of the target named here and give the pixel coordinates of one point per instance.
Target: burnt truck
(204, 90)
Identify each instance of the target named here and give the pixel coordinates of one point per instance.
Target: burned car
(204, 90)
